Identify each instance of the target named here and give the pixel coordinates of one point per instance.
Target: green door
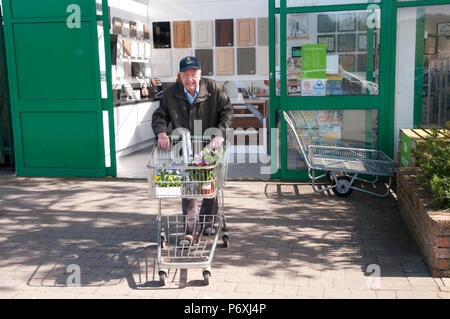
(330, 66)
(55, 89)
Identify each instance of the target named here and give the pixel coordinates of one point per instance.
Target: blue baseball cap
(189, 62)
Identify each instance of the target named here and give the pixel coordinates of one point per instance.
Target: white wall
(404, 91)
(193, 10)
(127, 10)
(173, 10)
(148, 11)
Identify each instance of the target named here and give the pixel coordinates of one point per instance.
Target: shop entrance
(148, 39)
(330, 67)
(57, 106)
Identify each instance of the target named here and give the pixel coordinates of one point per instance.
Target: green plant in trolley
(207, 159)
(168, 179)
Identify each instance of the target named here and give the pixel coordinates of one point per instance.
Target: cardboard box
(409, 139)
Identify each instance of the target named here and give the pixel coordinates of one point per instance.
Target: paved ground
(287, 242)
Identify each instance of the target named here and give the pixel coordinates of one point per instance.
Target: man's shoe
(186, 241)
(209, 231)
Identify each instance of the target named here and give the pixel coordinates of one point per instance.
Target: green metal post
(274, 99)
(108, 104)
(418, 72)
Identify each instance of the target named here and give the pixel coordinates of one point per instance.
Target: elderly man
(183, 104)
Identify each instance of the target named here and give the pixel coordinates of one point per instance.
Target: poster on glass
(297, 26)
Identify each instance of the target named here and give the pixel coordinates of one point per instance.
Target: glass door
(423, 54)
(332, 77)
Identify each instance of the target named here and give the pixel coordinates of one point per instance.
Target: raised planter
(428, 222)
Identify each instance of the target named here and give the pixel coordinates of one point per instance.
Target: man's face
(190, 79)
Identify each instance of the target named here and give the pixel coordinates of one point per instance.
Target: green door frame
(94, 106)
(384, 102)
(10, 147)
(368, 102)
(108, 103)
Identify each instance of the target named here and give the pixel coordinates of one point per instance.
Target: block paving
(286, 242)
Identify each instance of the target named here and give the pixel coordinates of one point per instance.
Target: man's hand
(163, 141)
(217, 142)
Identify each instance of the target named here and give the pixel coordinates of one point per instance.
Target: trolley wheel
(343, 186)
(206, 277)
(226, 241)
(162, 277)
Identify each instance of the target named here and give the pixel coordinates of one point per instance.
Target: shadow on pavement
(108, 229)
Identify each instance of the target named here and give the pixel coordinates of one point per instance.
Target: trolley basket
(343, 165)
(191, 168)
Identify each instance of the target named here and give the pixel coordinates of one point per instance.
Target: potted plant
(206, 176)
(168, 183)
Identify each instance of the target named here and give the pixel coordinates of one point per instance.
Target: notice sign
(443, 29)
(314, 61)
(314, 87)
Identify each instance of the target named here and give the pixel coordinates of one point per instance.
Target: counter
(250, 134)
(128, 102)
(133, 125)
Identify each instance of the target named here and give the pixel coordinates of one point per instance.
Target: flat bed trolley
(342, 165)
(189, 169)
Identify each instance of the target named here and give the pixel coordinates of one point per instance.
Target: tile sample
(263, 31)
(203, 34)
(161, 63)
(262, 60)
(205, 56)
(224, 61)
(245, 32)
(182, 34)
(246, 61)
(224, 32)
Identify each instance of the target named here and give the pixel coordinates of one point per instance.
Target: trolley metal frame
(172, 228)
(342, 165)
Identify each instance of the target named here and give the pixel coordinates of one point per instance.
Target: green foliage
(202, 175)
(168, 179)
(433, 156)
(207, 159)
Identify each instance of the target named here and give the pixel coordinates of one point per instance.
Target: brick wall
(429, 224)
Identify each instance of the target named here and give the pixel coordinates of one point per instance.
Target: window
(333, 53)
(349, 128)
(423, 66)
(300, 3)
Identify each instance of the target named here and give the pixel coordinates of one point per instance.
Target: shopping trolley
(183, 172)
(343, 165)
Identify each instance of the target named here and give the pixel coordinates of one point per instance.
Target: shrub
(433, 156)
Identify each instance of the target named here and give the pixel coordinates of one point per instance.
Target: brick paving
(286, 242)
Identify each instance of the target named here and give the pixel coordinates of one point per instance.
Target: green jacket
(212, 106)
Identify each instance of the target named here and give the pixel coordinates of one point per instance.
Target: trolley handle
(299, 141)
